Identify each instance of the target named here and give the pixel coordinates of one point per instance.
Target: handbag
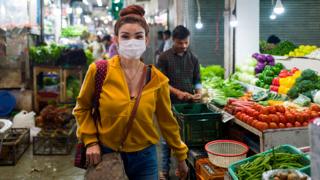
(111, 161)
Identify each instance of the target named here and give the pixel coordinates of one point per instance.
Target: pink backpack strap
(102, 67)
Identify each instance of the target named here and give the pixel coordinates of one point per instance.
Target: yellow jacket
(115, 109)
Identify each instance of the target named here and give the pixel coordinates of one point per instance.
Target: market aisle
(31, 167)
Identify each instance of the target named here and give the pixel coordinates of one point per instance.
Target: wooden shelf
(63, 74)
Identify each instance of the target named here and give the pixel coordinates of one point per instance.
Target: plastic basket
(199, 124)
(224, 152)
(283, 148)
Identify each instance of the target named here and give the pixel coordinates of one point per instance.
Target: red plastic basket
(224, 152)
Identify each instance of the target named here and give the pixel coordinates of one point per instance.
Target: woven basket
(224, 152)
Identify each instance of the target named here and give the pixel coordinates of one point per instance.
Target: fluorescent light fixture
(199, 24)
(107, 7)
(99, 2)
(69, 10)
(278, 9)
(233, 21)
(106, 21)
(117, 8)
(85, 2)
(273, 16)
(110, 18)
(79, 10)
(96, 18)
(116, 1)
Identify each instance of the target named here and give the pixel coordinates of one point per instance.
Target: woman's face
(131, 31)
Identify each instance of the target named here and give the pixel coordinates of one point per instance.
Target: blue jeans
(140, 165)
(166, 155)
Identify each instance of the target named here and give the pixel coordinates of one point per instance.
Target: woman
(118, 95)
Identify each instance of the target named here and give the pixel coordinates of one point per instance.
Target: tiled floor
(31, 167)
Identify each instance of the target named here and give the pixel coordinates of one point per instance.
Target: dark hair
(180, 32)
(273, 39)
(106, 38)
(132, 14)
(167, 33)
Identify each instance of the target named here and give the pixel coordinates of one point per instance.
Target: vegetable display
(263, 163)
(263, 61)
(285, 81)
(270, 117)
(281, 49)
(73, 87)
(268, 74)
(302, 51)
(211, 71)
(246, 72)
(46, 54)
(307, 82)
(73, 31)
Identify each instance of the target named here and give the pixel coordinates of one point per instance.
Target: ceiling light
(117, 8)
(107, 7)
(87, 19)
(233, 21)
(273, 16)
(99, 2)
(278, 9)
(116, 1)
(106, 21)
(110, 18)
(96, 18)
(199, 24)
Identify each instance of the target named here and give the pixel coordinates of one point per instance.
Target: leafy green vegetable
(73, 31)
(280, 49)
(210, 71)
(89, 56)
(46, 54)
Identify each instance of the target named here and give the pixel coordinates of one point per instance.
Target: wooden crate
(14, 145)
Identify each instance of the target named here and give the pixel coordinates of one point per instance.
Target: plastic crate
(195, 154)
(199, 124)
(14, 146)
(55, 144)
(283, 148)
(205, 170)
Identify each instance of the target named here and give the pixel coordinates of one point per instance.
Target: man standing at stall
(182, 68)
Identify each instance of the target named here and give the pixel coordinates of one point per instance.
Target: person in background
(273, 39)
(159, 44)
(113, 49)
(182, 68)
(118, 96)
(107, 41)
(167, 40)
(97, 48)
(85, 39)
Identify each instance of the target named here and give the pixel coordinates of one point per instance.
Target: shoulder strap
(135, 108)
(102, 67)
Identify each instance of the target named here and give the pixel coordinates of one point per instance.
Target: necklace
(135, 74)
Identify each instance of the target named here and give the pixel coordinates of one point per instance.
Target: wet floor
(31, 167)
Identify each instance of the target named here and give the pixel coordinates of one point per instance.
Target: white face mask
(131, 49)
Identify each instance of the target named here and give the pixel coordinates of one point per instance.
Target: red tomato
(272, 109)
(289, 125)
(282, 118)
(299, 117)
(264, 111)
(274, 118)
(281, 109)
(305, 124)
(315, 107)
(297, 124)
(281, 125)
(314, 114)
(273, 125)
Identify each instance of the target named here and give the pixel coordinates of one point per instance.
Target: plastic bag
(316, 97)
(270, 175)
(302, 100)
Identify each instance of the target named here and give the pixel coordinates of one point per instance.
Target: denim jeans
(166, 155)
(140, 165)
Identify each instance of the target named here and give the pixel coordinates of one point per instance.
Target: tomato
(254, 123)
(282, 118)
(273, 125)
(315, 107)
(264, 111)
(290, 117)
(299, 117)
(255, 114)
(297, 124)
(264, 125)
(272, 109)
(274, 118)
(306, 115)
(281, 108)
(313, 114)
(282, 125)
(289, 125)
(239, 109)
(250, 120)
(305, 124)
(238, 114)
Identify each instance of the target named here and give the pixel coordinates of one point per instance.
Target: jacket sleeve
(86, 131)
(168, 124)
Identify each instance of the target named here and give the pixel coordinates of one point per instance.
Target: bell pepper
(283, 90)
(276, 81)
(274, 88)
(267, 80)
(295, 69)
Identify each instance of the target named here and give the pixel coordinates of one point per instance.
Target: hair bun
(132, 10)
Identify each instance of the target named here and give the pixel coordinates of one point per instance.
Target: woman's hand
(93, 155)
(182, 170)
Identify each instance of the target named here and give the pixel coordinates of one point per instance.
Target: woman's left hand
(182, 170)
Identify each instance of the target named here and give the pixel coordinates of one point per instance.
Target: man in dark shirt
(182, 68)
